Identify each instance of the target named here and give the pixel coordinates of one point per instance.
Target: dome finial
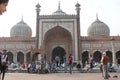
(77, 5)
(59, 5)
(59, 11)
(22, 18)
(97, 17)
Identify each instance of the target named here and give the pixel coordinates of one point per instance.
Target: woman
(3, 5)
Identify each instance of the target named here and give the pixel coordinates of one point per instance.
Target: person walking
(105, 61)
(3, 5)
(70, 61)
(3, 64)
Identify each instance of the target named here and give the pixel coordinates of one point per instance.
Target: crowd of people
(56, 65)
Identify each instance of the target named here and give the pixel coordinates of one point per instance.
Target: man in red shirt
(105, 61)
(70, 61)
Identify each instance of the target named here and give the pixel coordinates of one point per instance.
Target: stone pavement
(58, 76)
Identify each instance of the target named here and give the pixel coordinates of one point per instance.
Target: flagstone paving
(58, 76)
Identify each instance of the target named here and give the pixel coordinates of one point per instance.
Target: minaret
(37, 25)
(78, 29)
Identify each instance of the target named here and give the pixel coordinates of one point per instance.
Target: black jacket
(1, 61)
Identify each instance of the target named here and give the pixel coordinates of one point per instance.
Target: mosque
(59, 34)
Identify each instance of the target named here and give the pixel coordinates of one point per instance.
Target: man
(3, 64)
(105, 61)
(3, 5)
(70, 62)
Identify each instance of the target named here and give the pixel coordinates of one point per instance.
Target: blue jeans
(70, 68)
(105, 71)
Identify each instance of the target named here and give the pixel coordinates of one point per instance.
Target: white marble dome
(98, 28)
(21, 29)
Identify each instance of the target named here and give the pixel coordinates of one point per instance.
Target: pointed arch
(60, 52)
(10, 57)
(109, 54)
(20, 57)
(117, 54)
(85, 57)
(97, 56)
(58, 32)
(57, 36)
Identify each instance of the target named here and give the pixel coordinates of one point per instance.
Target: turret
(37, 24)
(78, 29)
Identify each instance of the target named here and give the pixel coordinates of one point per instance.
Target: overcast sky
(108, 12)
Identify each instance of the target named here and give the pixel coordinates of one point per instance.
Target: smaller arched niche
(118, 54)
(109, 54)
(97, 55)
(85, 57)
(10, 57)
(60, 52)
(20, 57)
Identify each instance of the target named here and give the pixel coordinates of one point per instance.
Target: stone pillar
(37, 25)
(78, 29)
(15, 57)
(25, 58)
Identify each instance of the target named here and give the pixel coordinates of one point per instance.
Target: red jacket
(105, 60)
(70, 60)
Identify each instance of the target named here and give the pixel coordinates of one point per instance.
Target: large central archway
(57, 36)
(60, 52)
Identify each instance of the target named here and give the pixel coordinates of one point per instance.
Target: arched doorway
(60, 52)
(20, 57)
(10, 57)
(85, 57)
(35, 57)
(109, 54)
(117, 54)
(97, 56)
(57, 36)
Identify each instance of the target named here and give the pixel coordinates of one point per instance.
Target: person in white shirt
(4, 63)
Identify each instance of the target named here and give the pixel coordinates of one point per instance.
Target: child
(3, 5)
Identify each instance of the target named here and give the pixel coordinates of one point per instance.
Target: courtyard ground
(58, 76)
